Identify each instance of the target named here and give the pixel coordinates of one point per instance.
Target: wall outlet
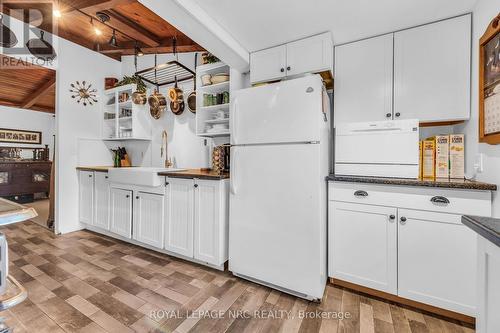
(479, 163)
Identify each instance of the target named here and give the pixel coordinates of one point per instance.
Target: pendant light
(137, 50)
(112, 41)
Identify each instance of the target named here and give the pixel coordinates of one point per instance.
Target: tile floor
(84, 282)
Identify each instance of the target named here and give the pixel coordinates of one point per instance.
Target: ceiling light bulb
(57, 13)
(97, 31)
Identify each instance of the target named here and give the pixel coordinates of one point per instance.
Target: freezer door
(289, 111)
(277, 231)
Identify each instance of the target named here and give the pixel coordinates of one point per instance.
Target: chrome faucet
(164, 140)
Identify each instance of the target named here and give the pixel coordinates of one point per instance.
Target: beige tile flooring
(42, 208)
(84, 282)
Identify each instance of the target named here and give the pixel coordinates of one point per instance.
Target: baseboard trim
(404, 301)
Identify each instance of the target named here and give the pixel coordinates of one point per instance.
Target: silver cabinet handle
(440, 199)
(361, 193)
(402, 220)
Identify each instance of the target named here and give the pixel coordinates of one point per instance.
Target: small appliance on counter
(378, 149)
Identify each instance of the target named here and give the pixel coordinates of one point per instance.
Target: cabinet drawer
(459, 201)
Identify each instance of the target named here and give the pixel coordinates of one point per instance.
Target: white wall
(76, 122)
(16, 118)
(184, 146)
(483, 12)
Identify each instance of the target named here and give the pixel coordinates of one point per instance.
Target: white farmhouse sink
(143, 176)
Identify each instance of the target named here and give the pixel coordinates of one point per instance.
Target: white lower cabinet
(179, 216)
(437, 260)
(101, 200)
(148, 218)
(409, 244)
(86, 196)
(368, 235)
(196, 219)
(121, 212)
(488, 320)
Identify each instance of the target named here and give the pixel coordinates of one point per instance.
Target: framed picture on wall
(489, 84)
(20, 136)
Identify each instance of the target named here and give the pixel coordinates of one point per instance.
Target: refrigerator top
(286, 112)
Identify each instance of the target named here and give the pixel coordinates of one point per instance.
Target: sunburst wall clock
(83, 93)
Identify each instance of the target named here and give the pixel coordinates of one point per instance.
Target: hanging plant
(134, 79)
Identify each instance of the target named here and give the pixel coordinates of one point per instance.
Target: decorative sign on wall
(489, 84)
(83, 93)
(20, 136)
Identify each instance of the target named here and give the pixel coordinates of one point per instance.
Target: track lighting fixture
(112, 40)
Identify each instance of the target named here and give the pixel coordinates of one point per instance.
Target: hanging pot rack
(166, 73)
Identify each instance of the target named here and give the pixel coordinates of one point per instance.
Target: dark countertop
(441, 183)
(487, 227)
(95, 168)
(196, 173)
(21, 161)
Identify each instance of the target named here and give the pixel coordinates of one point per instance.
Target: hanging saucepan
(139, 97)
(191, 100)
(40, 48)
(175, 93)
(157, 104)
(177, 107)
(8, 37)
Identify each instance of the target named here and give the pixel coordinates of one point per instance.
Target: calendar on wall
(489, 84)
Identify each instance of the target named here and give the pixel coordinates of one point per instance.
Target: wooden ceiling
(27, 86)
(133, 23)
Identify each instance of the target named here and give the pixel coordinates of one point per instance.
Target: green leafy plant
(134, 79)
(209, 58)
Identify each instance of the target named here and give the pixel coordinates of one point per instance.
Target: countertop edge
(97, 169)
(471, 185)
(187, 174)
(481, 229)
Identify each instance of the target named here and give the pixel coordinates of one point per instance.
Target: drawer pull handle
(392, 217)
(361, 193)
(440, 199)
(402, 220)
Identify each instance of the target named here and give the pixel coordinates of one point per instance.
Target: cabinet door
(179, 216)
(207, 221)
(148, 218)
(437, 260)
(121, 212)
(268, 64)
(86, 195)
(432, 71)
(309, 55)
(101, 200)
(362, 245)
(363, 80)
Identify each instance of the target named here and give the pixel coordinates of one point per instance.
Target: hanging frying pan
(40, 48)
(191, 100)
(157, 102)
(175, 93)
(8, 37)
(177, 107)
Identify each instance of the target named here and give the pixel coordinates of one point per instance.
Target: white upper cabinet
(437, 260)
(86, 195)
(148, 218)
(313, 54)
(309, 55)
(363, 80)
(432, 71)
(268, 64)
(101, 200)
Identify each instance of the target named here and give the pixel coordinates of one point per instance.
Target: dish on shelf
(219, 78)
(206, 80)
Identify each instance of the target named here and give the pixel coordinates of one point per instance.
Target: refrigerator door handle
(232, 115)
(232, 179)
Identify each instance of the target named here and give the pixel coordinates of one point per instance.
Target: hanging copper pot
(139, 97)
(157, 104)
(177, 108)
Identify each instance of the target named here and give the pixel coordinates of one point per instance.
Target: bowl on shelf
(206, 79)
(219, 78)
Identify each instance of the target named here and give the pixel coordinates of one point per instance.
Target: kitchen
(278, 189)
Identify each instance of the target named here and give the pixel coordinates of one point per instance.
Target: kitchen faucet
(164, 139)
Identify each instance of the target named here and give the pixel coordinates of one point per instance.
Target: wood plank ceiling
(27, 86)
(132, 21)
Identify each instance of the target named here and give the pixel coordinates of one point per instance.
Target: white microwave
(378, 149)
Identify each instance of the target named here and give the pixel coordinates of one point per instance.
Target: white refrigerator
(278, 202)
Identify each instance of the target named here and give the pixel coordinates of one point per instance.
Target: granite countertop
(195, 173)
(95, 168)
(441, 183)
(487, 227)
(8, 161)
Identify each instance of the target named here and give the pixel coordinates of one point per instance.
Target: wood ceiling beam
(39, 92)
(184, 44)
(91, 5)
(39, 108)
